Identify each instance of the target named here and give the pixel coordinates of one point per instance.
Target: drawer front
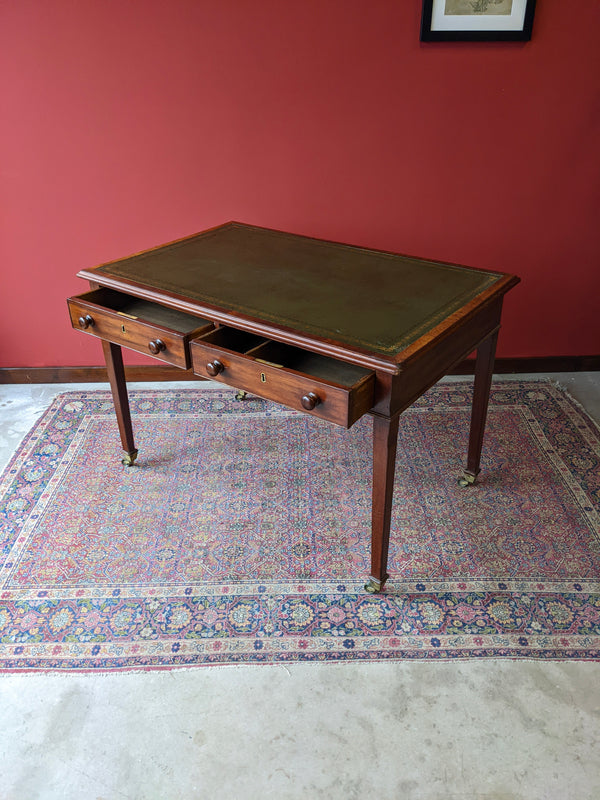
(338, 404)
(152, 340)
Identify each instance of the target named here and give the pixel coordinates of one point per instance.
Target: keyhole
(123, 328)
(263, 377)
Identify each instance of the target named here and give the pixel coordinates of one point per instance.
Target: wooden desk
(328, 329)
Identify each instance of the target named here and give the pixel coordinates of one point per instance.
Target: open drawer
(323, 386)
(138, 324)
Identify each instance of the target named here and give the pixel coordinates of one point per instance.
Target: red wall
(128, 124)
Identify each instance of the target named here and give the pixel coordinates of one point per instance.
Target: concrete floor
(484, 730)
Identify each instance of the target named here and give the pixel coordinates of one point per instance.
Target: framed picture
(476, 20)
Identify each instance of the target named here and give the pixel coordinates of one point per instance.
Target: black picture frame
(471, 33)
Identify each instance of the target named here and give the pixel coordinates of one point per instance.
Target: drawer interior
(144, 310)
(233, 339)
(318, 366)
(284, 356)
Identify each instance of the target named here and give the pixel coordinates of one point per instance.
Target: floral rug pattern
(242, 534)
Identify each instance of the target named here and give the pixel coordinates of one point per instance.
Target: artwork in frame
(477, 20)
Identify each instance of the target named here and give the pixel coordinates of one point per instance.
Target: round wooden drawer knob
(86, 322)
(310, 400)
(156, 345)
(214, 367)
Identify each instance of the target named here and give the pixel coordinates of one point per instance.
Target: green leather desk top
(375, 301)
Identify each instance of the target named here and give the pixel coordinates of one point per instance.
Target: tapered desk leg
(484, 368)
(116, 376)
(385, 439)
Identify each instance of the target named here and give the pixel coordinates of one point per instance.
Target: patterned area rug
(242, 534)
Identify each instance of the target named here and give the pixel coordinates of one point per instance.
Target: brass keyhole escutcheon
(123, 328)
(263, 377)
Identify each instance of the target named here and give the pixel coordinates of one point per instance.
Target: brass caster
(129, 458)
(374, 586)
(241, 395)
(467, 480)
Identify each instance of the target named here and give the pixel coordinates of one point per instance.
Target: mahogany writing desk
(328, 329)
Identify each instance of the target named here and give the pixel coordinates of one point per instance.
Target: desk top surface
(366, 299)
